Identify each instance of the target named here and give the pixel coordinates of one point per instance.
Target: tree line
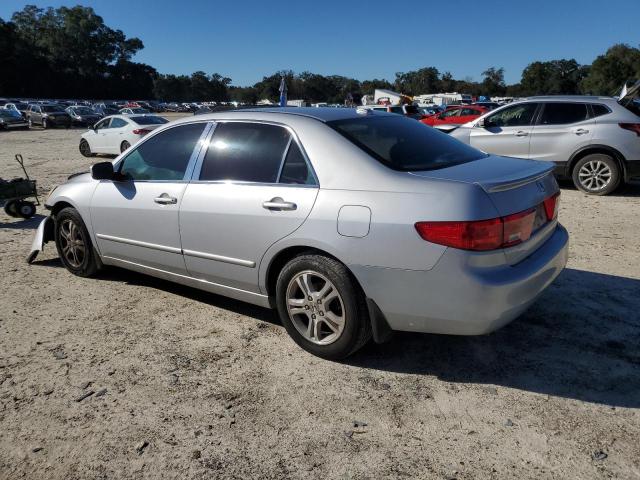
(69, 52)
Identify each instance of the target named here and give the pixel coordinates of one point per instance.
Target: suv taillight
(634, 127)
(492, 234)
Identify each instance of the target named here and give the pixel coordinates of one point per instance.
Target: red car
(457, 115)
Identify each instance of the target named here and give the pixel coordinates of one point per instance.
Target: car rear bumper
(460, 296)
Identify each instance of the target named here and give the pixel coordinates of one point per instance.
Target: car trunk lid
(514, 186)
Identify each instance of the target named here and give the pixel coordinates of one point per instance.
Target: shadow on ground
(28, 223)
(580, 340)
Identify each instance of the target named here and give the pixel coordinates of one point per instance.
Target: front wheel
(124, 145)
(322, 307)
(44, 123)
(596, 174)
(74, 244)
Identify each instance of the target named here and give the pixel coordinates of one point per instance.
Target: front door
(506, 132)
(255, 187)
(135, 219)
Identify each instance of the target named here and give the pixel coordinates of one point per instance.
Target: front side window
(164, 156)
(102, 124)
(246, 152)
(563, 113)
(513, 116)
(403, 144)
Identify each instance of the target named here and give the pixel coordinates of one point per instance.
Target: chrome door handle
(580, 131)
(165, 199)
(521, 133)
(279, 204)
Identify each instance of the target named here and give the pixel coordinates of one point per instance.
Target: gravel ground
(126, 376)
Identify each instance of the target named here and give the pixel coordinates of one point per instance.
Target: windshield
(51, 108)
(404, 144)
(150, 120)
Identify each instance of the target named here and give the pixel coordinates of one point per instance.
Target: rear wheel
(74, 244)
(85, 148)
(44, 123)
(596, 174)
(11, 208)
(124, 145)
(30, 123)
(322, 307)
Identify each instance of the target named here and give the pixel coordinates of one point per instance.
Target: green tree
(609, 72)
(493, 82)
(553, 77)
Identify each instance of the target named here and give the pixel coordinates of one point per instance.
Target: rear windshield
(405, 144)
(150, 120)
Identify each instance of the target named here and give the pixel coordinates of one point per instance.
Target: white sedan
(114, 134)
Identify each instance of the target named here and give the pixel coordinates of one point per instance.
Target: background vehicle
(48, 115)
(83, 116)
(11, 119)
(296, 209)
(455, 115)
(116, 133)
(20, 107)
(593, 140)
(105, 110)
(134, 111)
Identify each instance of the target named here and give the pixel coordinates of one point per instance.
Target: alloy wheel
(72, 244)
(595, 175)
(84, 148)
(315, 307)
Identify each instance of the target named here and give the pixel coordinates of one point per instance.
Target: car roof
(324, 114)
(572, 98)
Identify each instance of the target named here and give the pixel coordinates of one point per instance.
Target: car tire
(596, 174)
(85, 149)
(44, 123)
(322, 307)
(124, 145)
(29, 123)
(25, 209)
(11, 208)
(70, 233)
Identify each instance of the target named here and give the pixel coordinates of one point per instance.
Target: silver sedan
(351, 223)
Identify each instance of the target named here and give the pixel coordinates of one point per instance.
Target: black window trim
(117, 164)
(195, 177)
(543, 104)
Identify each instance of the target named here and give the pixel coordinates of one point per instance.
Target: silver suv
(593, 140)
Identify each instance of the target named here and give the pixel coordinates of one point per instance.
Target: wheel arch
(603, 149)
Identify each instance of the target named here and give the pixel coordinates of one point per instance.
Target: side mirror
(102, 171)
(481, 123)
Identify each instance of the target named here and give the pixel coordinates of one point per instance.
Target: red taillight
(551, 205)
(518, 227)
(634, 127)
(482, 235)
(141, 131)
(479, 235)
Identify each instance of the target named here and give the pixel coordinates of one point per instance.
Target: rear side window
(295, 169)
(164, 156)
(599, 110)
(246, 152)
(117, 123)
(563, 113)
(402, 143)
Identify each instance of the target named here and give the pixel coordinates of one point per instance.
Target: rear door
(562, 128)
(506, 132)
(252, 187)
(115, 135)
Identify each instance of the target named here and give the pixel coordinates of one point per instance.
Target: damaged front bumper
(44, 234)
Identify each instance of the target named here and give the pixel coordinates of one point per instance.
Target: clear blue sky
(246, 40)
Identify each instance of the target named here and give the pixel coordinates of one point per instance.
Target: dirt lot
(191, 385)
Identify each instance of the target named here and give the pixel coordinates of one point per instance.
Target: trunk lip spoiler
(501, 186)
